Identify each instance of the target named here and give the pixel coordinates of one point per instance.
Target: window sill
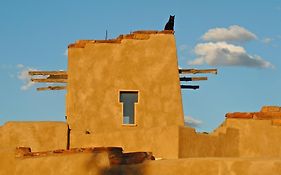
(129, 125)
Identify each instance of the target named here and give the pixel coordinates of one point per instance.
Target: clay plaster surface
(236, 137)
(99, 71)
(40, 136)
(145, 62)
(91, 164)
(161, 141)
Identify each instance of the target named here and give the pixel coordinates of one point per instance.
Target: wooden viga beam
(198, 71)
(52, 76)
(51, 88)
(48, 80)
(193, 78)
(47, 73)
(194, 87)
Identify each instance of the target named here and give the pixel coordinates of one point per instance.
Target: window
(128, 98)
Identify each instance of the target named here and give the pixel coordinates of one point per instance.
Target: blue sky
(242, 39)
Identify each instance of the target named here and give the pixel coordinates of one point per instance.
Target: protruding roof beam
(48, 80)
(51, 88)
(193, 78)
(189, 87)
(197, 71)
(52, 76)
(47, 73)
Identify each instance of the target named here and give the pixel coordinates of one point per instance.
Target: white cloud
(232, 33)
(20, 66)
(65, 53)
(189, 121)
(267, 40)
(183, 47)
(224, 54)
(25, 77)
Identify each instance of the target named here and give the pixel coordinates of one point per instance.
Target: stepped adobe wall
(255, 134)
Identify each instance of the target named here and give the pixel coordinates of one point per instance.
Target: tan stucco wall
(192, 144)
(234, 138)
(161, 141)
(80, 163)
(207, 166)
(91, 164)
(98, 71)
(257, 138)
(40, 136)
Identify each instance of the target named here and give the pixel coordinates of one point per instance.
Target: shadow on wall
(112, 161)
(123, 170)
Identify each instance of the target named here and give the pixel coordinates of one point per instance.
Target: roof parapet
(137, 35)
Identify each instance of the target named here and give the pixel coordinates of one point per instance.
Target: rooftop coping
(266, 113)
(137, 35)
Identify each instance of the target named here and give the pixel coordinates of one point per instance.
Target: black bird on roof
(170, 23)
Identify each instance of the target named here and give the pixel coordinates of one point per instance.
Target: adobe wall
(257, 138)
(88, 163)
(80, 163)
(206, 166)
(254, 134)
(163, 142)
(144, 61)
(40, 136)
(192, 144)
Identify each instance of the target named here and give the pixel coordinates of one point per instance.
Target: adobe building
(125, 92)
(124, 115)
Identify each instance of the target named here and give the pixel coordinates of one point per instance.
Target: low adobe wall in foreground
(98, 164)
